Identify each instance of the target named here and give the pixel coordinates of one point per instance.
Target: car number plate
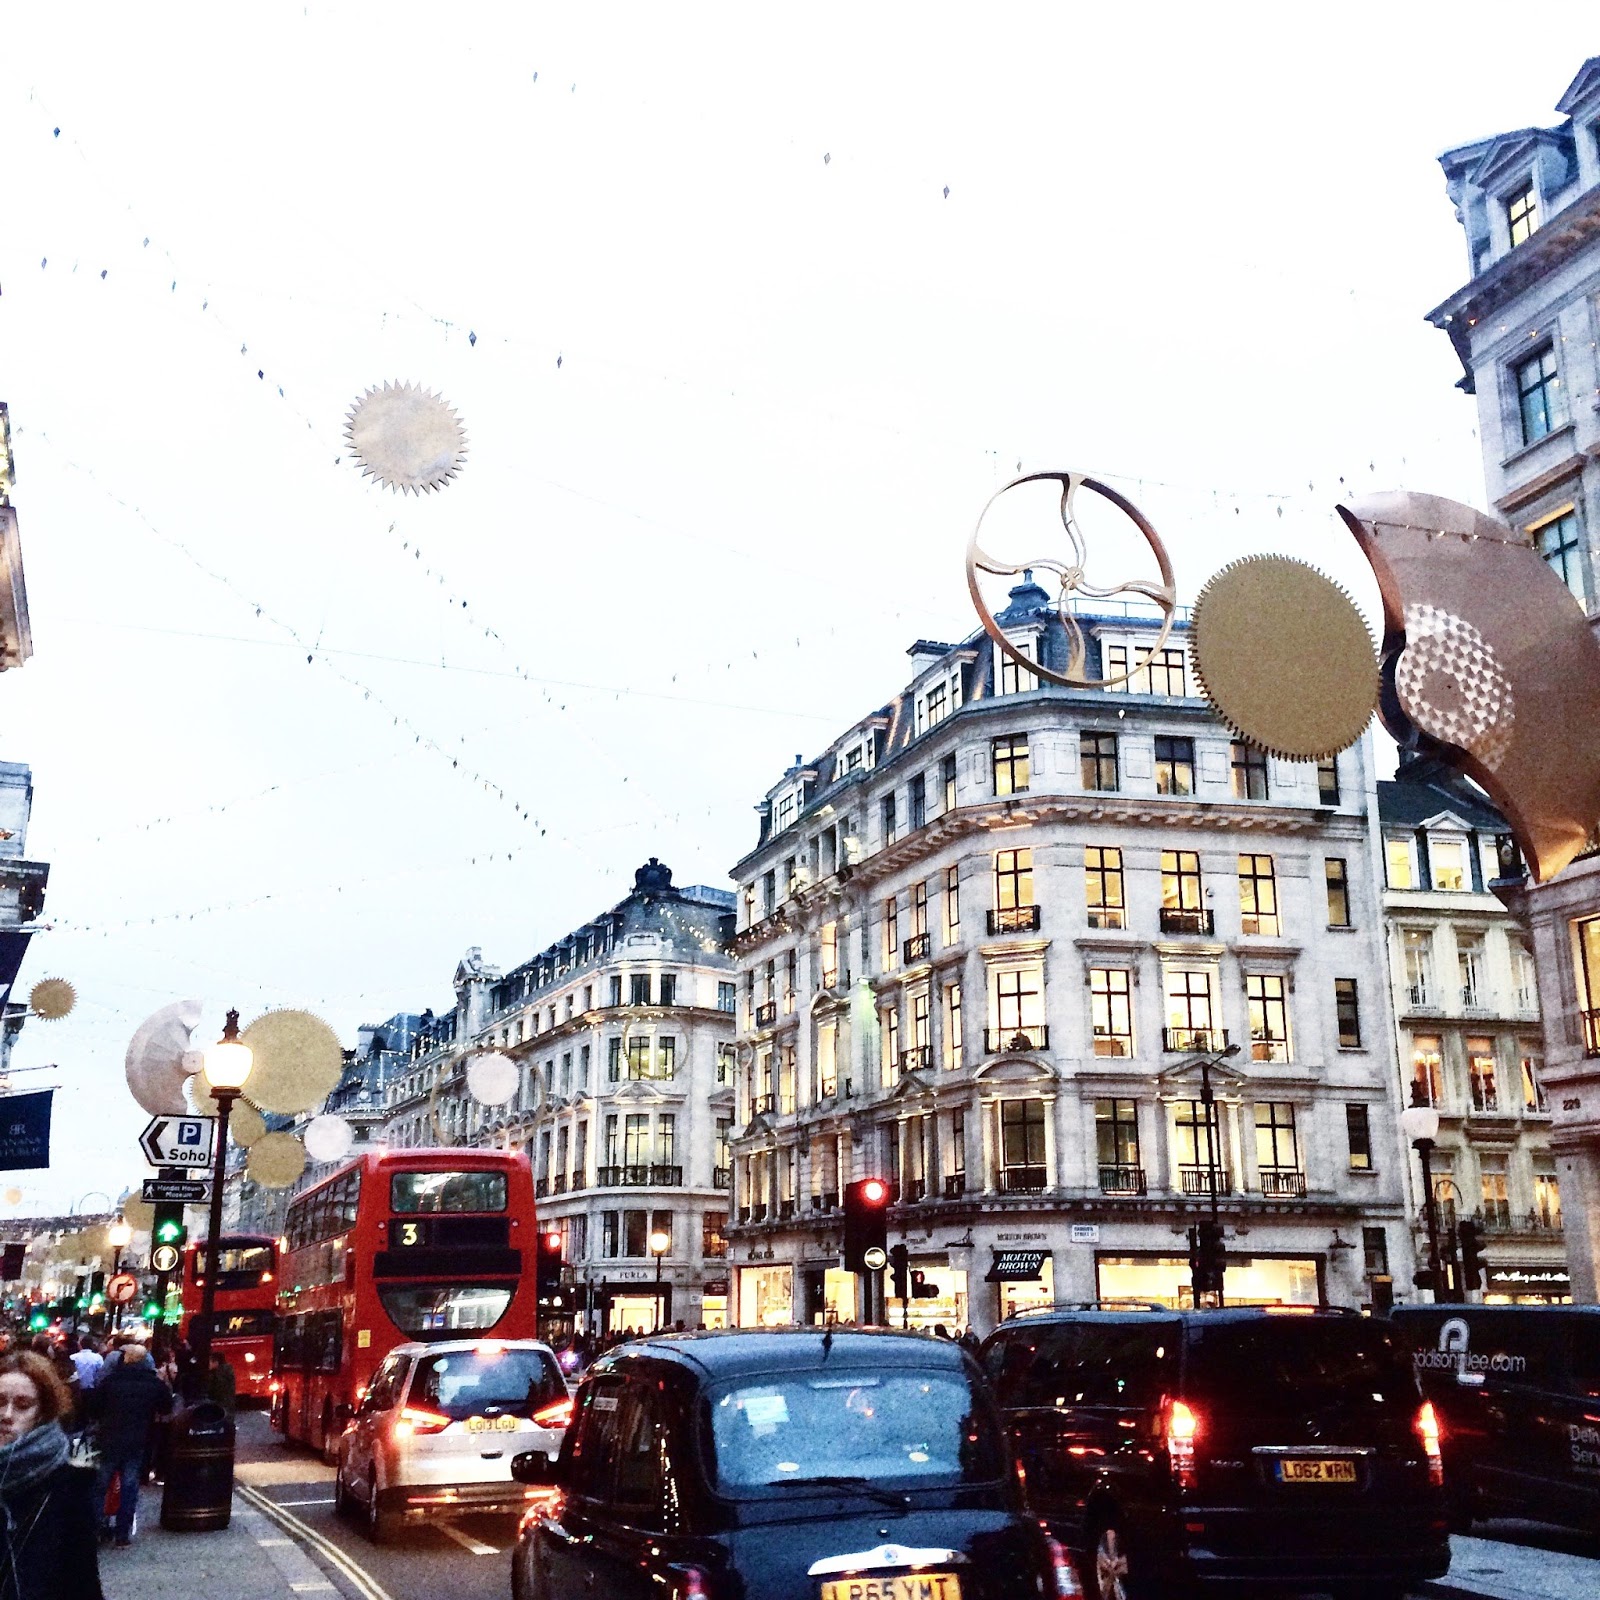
(493, 1424)
(898, 1586)
(1304, 1469)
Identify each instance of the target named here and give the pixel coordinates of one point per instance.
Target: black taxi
(793, 1464)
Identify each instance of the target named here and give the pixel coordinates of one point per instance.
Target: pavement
(1520, 1561)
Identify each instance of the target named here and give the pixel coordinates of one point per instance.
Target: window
(1111, 1011)
(1328, 781)
(1164, 674)
(919, 911)
(827, 1060)
(919, 801)
(1492, 1188)
(1560, 546)
(1188, 1009)
(1418, 946)
(1522, 214)
(727, 1061)
(1269, 1016)
(952, 904)
(723, 1150)
(1010, 756)
(1116, 1133)
(1427, 1070)
(889, 1023)
(639, 989)
(1338, 892)
(886, 812)
(1103, 886)
(1174, 765)
(1347, 1007)
(1277, 1148)
(947, 777)
(1180, 880)
(1013, 879)
(1547, 1199)
(1022, 1137)
(1540, 399)
(713, 1235)
(1481, 1075)
(952, 1026)
(636, 1140)
(1448, 860)
(727, 997)
(921, 1026)
(445, 1191)
(1249, 771)
(1358, 1135)
(891, 932)
(1532, 1064)
(1469, 967)
(937, 701)
(1397, 855)
(608, 1233)
(1258, 896)
(784, 814)
(1097, 755)
(1198, 1142)
(614, 989)
(1015, 679)
(668, 989)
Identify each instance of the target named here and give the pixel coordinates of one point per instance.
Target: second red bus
(245, 1320)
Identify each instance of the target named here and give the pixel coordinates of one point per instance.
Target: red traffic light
(874, 1191)
(552, 1243)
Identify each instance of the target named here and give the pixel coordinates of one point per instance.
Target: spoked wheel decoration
(1074, 583)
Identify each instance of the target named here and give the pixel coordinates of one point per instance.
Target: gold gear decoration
(51, 998)
(1284, 658)
(406, 438)
(297, 1060)
(246, 1125)
(275, 1160)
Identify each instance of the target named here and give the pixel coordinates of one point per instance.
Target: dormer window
(1163, 673)
(1448, 860)
(937, 701)
(1522, 214)
(1010, 676)
(783, 814)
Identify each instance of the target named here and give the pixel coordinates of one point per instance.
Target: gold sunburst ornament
(1284, 658)
(406, 438)
(51, 998)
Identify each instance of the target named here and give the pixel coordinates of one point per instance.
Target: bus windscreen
(411, 1192)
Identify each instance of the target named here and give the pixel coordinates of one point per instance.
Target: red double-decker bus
(395, 1246)
(245, 1321)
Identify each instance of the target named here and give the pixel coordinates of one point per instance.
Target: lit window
(1481, 1077)
(1338, 892)
(1540, 397)
(1328, 781)
(1397, 853)
(1010, 756)
(1448, 859)
(1358, 1133)
(1533, 1097)
(1559, 544)
(1427, 1070)
(1347, 1007)
(1249, 771)
(1522, 214)
(1097, 753)
(1174, 765)
(1111, 1011)
(1015, 679)
(1103, 891)
(1258, 896)
(1269, 1016)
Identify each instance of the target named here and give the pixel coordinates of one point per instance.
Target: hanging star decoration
(406, 438)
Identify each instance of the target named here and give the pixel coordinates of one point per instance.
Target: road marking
(467, 1542)
(327, 1502)
(269, 1544)
(365, 1585)
(311, 1588)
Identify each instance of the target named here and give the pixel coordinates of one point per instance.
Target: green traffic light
(83, 1303)
(169, 1232)
(152, 1310)
(38, 1321)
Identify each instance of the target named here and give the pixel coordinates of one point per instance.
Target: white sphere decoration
(492, 1078)
(328, 1138)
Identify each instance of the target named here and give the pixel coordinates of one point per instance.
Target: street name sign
(179, 1141)
(191, 1191)
(121, 1288)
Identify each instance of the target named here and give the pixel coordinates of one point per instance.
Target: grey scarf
(27, 1462)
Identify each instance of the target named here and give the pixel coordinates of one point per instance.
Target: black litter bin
(199, 1469)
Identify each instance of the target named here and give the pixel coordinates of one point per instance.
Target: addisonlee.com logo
(1456, 1355)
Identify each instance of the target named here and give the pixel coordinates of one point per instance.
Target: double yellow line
(365, 1585)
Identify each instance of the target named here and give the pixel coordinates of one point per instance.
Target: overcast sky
(766, 302)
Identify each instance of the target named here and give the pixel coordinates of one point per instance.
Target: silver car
(438, 1426)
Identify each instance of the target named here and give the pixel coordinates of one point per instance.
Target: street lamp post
(121, 1234)
(660, 1243)
(1419, 1123)
(228, 1064)
(1209, 1259)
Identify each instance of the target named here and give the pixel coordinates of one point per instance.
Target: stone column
(989, 1112)
(1051, 1178)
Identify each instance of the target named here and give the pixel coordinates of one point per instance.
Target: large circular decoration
(138, 1213)
(1453, 686)
(1284, 657)
(51, 998)
(246, 1125)
(1162, 595)
(297, 1060)
(13, 1196)
(329, 1138)
(276, 1160)
(154, 1064)
(406, 438)
(492, 1078)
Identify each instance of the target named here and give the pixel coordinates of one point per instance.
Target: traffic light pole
(208, 1297)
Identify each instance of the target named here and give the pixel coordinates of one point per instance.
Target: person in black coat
(48, 1512)
(124, 1405)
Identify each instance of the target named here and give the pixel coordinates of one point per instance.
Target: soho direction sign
(179, 1141)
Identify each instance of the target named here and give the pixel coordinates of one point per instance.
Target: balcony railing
(1122, 1180)
(825, 1200)
(1264, 1049)
(1022, 1180)
(1420, 996)
(541, 1187)
(766, 1013)
(1283, 1184)
(1015, 919)
(1591, 1032)
(559, 1184)
(913, 1190)
(1176, 920)
(1498, 1220)
(1469, 997)
(915, 948)
(722, 1177)
(998, 1040)
(785, 1210)
(764, 1104)
(758, 1213)
(955, 1185)
(1193, 1041)
(744, 1213)
(1108, 917)
(830, 977)
(1112, 1044)
(640, 1176)
(916, 1058)
(1197, 1180)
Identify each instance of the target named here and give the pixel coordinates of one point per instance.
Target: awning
(1014, 1266)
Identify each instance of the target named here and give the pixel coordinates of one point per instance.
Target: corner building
(983, 942)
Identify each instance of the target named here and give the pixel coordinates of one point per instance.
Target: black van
(1261, 1446)
(1517, 1389)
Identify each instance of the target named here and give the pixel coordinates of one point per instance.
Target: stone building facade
(1527, 329)
(623, 1033)
(1466, 1000)
(985, 940)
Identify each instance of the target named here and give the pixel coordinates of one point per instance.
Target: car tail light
(1067, 1586)
(1428, 1432)
(1183, 1428)
(266, 1277)
(413, 1419)
(558, 1414)
(691, 1585)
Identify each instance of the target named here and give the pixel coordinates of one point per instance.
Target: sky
(746, 312)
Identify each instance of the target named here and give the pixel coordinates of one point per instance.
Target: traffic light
(168, 1227)
(152, 1311)
(900, 1271)
(548, 1280)
(866, 1224)
(1207, 1260)
(1471, 1255)
(921, 1289)
(39, 1321)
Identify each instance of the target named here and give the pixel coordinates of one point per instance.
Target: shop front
(766, 1296)
(946, 1306)
(828, 1293)
(1023, 1279)
(714, 1304)
(1149, 1279)
(1527, 1283)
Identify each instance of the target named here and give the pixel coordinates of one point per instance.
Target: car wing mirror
(534, 1466)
